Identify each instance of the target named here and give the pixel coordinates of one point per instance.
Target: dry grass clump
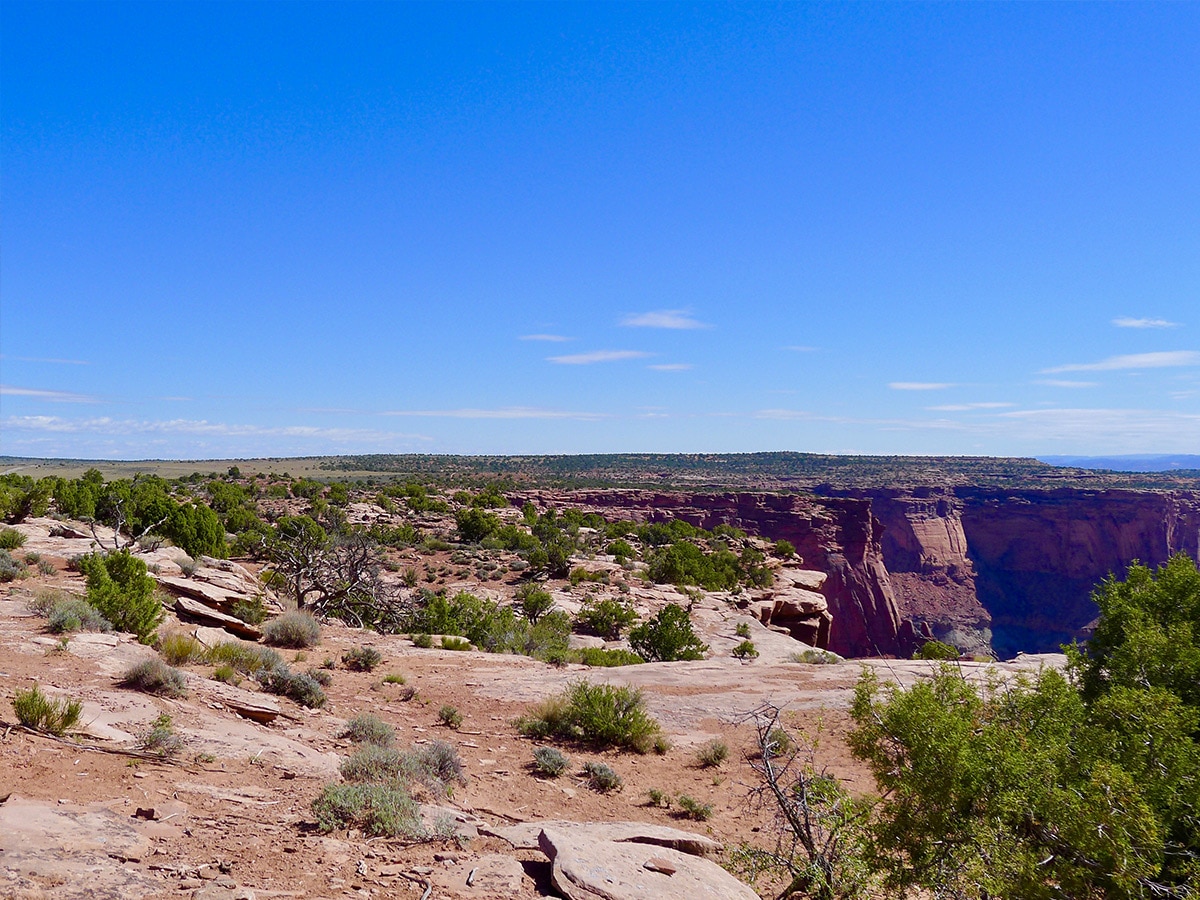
(378, 809)
(598, 715)
(361, 659)
(244, 658)
(369, 729)
(160, 738)
(76, 614)
(295, 630)
(153, 676)
(179, 649)
(712, 754)
(37, 711)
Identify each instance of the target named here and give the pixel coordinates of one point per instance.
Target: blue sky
(290, 229)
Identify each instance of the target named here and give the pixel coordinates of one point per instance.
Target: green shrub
(421, 641)
(323, 677)
(393, 678)
(369, 729)
(303, 689)
(778, 742)
(70, 616)
(601, 657)
(742, 630)
(160, 738)
(153, 676)
(245, 658)
(815, 657)
(180, 649)
(361, 659)
(659, 798)
(37, 711)
(46, 567)
(437, 765)
(475, 524)
(294, 629)
(598, 715)
(601, 777)
(11, 539)
(785, 549)
(712, 754)
(533, 601)
(745, 650)
(188, 566)
(11, 568)
(621, 550)
(252, 611)
(937, 650)
(118, 586)
(374, 762)
(450, 717)
(693, 809)
(667, 637)
(379, 810)
(550, 762)
(449, 642)
(605, 618)
(227, 674)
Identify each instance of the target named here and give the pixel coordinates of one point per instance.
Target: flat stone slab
(187, 607)
(587, 869)
(525, 835)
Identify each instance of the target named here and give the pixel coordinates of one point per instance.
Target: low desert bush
(712, 754)
(45, 567)
(379, 810)
(374, 762)
(245, 658)
(70, 616)
(179, 649)
(605, 618)
(323, 677)
(393, 678)
(937, 650)
(815, 657)
(745, 650)
(449, 642)
(369, 729)
(422, 641)
(11, 539)
(295, 630)
(153, 676)
(658, 797)
(11, 568)
(667, 637)
(160, 738)
(598, 715)
(361, 659)
(301, 688)
(37, 711)
(251, 611)
(118, 586)
(742, 630)
(227, 674)
(690, 808)
(550, 762)
(188, 566)
(437, 765)
(601, 777)
(450, 717)
(602, 657)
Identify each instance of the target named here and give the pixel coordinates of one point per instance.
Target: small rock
(146, 813)
(658, 864)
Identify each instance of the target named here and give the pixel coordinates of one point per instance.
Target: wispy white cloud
(964, 407)
(596, 356)
(50, 360)
(1129, 322)
(1060, 383)
(1162, 359)
(506, 412)
(671, 367)
(678, 319)
(8, 390)
(107, 425)
(919, 385)
(552, 338)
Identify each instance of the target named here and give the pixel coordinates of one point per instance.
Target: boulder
(584, 868)
(186, 607)
(524, 836)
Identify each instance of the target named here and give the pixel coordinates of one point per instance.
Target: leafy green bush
(785, 549)
(604, 658)
(118, 586)
(252, 611)
(450, 717)
(658, 797)
(69, 616)
(742, 630)
(422, 641)
(380, 810)
(550, 762)
(745, 650)
(936, 650)
(369, 729)
(449, 642)
(598, 715)
(153, 676)
(179, 649)
(694, 809)
(294, 629)
(605, 618)
(374, 762)
(712, 754)
(11, 539)
(622, 550)
(361, 659)
(534, 602)
(667, 637)
(475, 524)
(35, 710)
(601, 777)
(227, 674)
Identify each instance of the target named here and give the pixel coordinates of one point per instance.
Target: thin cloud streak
(107, 425)
(1163, 359)
(671, 367)
(1128, 322)
(552, 338)
(1059, 383)
(965, 407)
(596, 356)
(677, 319)
(919, 385)
(8, 390)
(507, 412)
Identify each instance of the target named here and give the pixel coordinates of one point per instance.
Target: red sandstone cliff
(838, 536)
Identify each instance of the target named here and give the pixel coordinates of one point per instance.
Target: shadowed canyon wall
(985, 569)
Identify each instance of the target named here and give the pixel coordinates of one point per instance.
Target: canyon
(990, 570)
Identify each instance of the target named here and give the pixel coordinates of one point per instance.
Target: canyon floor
(230, 818)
